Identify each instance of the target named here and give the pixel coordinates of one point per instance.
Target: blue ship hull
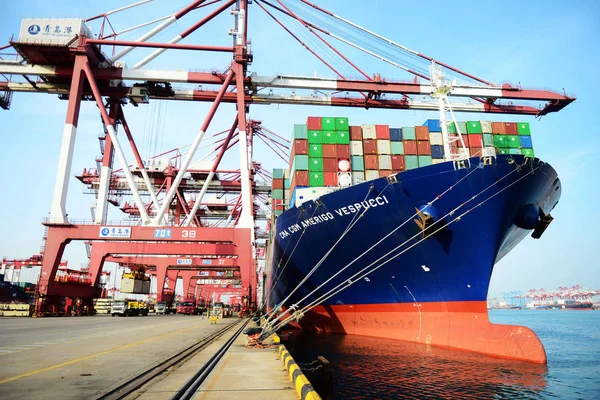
(439, 277)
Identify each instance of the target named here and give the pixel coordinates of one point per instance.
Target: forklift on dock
(127, 308)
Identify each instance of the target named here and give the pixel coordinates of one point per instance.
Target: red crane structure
(77, 68)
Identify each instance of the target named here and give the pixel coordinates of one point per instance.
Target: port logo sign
(34, 29)
(184, 261)
(114, 232)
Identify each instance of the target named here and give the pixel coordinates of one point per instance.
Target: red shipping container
(475, 140)
(329, 151)
(398, 163)
(277, 204)
(300, 147)
(313, 123)
(457, 144)
(422, 133)
(356, 133)
(511, 128)
(410, 147)
(300, 178)
(371, 162)
(423, 148)
(277, 183)
(498, 128)
(342, 151)
(476, 151)
(382, 132)
(330, 178)
(370, 147)
(330, 164)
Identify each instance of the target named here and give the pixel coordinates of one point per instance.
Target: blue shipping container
(396, 134)
(433, 125)
(526, 142)
(437, 152)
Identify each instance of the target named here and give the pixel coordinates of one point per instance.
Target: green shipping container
(330, 137)
(315, 137)
(411, 162)
(357, 163)
(287, 183)
(300, 132)
(315, 150)
(488, 139)
(500, 141)
(502, 150)
(528, 152)
(514, 141)
(462, 126)
(474, 127)
(341, 124)
(408, 133)
(451, 127)
(315, 164)
(316, 179)
(278, 173)
(523, 128)
(277, 193)
(424, 161)
(300, 163)
(397, 148)
(342, 137)
(328, 123)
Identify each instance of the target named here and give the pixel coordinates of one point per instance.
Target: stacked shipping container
(328, 153)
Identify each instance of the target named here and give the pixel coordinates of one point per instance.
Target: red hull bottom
(457, 325)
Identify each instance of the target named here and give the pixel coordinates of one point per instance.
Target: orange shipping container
(511, 128)
(329, 151)
(330, 178)
(422, 133)
(356, 133)
(371, 162)
(423, 148)
(370, 146)
(330, 164)
(342, 150)
(475, 140)
(313, 123)
(277, 183)
(498, 128)
(410, 147)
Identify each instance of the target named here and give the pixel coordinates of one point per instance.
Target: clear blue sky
(540, 44)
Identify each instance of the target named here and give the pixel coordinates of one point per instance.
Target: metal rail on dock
(133, 384)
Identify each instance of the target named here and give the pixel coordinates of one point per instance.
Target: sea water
(373, 368)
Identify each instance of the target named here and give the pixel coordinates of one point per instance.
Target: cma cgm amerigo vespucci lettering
(410, 255)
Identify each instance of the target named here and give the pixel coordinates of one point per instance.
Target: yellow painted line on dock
(39, 371)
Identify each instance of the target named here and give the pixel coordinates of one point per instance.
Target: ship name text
(328, 216)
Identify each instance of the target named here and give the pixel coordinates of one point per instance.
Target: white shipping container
(306, 194)
(368, 131)
(384, 146)
(344, 179)
(385, 162)
(489, 152)
(55, 31)
(436, 138)
(371, 174)
(358, 177)
(486, 126)
(437, 161)
(356, 148)
(127, 285)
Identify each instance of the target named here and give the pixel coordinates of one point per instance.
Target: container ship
(394, 232)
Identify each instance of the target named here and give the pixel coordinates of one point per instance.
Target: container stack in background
(327, 153)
